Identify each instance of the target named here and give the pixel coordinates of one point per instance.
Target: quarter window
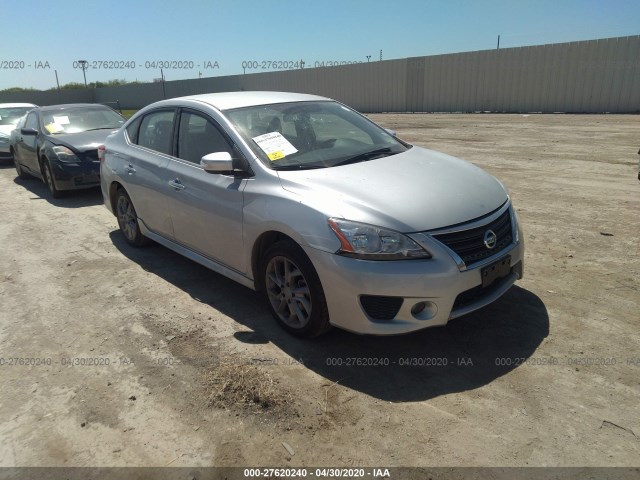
(199, 136)
(132, 130)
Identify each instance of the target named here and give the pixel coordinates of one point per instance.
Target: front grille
(381, 308)
(469, 244)
(476, 294)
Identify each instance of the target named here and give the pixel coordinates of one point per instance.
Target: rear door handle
(176, 184)
(130, 170)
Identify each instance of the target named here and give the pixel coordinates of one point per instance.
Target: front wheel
(48, 179)
(128, 220)
(293, 290)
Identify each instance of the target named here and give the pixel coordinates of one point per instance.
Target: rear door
(206, 208)
(142, 168)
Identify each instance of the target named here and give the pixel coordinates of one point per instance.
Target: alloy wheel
(288, 292)
(47, 177)
(127, 217)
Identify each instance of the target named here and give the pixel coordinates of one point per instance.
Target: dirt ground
(115, 356)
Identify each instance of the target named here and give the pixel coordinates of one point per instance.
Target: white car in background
(10, 115)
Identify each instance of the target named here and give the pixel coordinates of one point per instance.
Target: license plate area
(496, 271)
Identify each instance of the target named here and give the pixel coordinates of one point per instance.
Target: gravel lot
(115, 356)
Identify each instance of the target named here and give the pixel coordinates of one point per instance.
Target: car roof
(70, 105)
(16, 105)
(230, 100)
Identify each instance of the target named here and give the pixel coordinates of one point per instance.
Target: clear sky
(52, 35)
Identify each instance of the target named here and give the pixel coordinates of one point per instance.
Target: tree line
(73, 86)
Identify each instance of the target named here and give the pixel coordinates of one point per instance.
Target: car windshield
(304, 135)
(12, 115)
(80, 119)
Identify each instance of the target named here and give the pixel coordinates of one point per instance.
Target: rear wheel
(21, 173)
(293, 290)
(49, 181)
(128, 220)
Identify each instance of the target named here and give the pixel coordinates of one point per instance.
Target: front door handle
(130, 170)
(176, 184)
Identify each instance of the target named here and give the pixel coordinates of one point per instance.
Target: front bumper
(77, 176)
(447, 291)
(5, 149)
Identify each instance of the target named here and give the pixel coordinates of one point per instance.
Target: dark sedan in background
(59, 144)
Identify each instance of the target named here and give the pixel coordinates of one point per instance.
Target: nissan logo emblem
(490, 239)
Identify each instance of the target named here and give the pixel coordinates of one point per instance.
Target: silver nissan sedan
(334, 219)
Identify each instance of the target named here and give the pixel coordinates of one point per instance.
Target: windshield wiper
(100, 128)
(364, 156)
(297, 166)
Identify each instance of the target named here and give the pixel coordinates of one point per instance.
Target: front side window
(21, 122)
(32, 121)
(198, 136)
(301, 135)
(156, 131)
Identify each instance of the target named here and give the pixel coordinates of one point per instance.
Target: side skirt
(196, 257)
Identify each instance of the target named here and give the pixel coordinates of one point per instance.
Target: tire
(22, 175)
(128, 220)
(49, 181)
(285, 268)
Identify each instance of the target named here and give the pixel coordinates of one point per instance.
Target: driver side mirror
(390, 132)
(218, 162)
(28, 131)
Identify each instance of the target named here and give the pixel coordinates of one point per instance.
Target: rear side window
(156, 131)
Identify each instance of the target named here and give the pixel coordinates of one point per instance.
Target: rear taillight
(101, 151)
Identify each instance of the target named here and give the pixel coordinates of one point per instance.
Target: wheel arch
(260, 246)
(113, 190)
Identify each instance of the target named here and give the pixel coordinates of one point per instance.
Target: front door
(206, 208)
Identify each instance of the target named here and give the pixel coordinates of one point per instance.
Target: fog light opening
(424, 310)
(418, 308)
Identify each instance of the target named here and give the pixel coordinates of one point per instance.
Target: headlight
(369, 242)
(65, 154)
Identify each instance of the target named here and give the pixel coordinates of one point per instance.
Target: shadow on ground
(468, 353)
(72, 199)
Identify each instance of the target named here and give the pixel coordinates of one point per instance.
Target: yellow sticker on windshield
(54, 128)
(275, 155)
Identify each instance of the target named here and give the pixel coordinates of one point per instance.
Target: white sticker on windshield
(62, 120)
(274, 145)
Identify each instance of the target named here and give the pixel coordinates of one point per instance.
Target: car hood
(5, 130)
(82, 141)
(412, 191)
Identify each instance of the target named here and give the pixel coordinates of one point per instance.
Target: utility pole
(498, 47)
(380, 54)
(84, 65)
(164, 93)
(58, 83)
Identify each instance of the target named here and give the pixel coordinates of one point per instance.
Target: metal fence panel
(588, 76)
